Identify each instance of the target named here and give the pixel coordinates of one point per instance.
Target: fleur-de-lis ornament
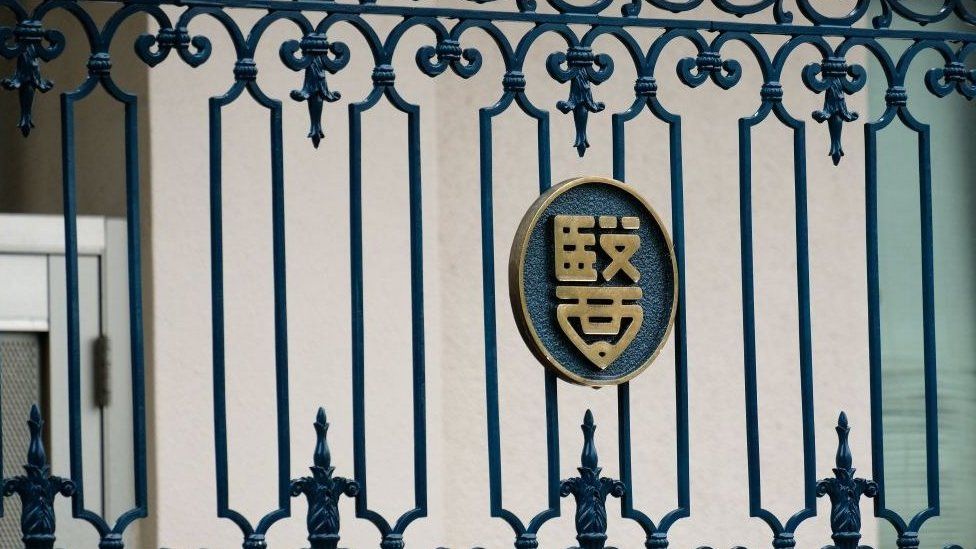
(955, 75)
(590, 491)
(319, 58)
(37, 490)
(583, 68)
(448, 53)
(322, 490)
(837, 79)
(194, 50)
(708, 64)
(845, 493)
(29, 49)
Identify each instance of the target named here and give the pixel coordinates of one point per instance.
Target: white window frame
(33, 299)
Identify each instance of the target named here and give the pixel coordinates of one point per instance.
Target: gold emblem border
(516, 282)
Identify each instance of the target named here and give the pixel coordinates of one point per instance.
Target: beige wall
(182, 468)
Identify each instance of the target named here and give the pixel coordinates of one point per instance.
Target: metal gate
(893, 32)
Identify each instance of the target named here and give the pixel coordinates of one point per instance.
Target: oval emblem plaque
(593, 281)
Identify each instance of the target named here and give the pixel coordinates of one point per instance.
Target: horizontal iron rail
(571, 19)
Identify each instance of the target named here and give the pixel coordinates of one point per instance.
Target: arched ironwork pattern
(31, 43)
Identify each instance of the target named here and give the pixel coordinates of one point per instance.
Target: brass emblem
(593, 281)
(600, 310)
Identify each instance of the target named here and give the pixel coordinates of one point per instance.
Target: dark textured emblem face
(593, 281)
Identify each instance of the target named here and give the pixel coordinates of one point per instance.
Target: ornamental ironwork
(944, 29)
(323, 490)
(37, 490)
(591, 491)
(845, 491)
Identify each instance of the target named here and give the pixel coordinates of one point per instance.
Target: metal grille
(20, 387)
(871, 27)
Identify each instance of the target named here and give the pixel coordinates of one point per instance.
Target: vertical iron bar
(110, 537)
(803, 299)
(417, 314)
(552, 387)
(69, 197)
(71, 269)
(551, 382)
(748, 317)
(217, 305)
(783, 532)
(281, 309)
(552, 437)
(657, 533)
(488, 311)
(681, 325)
(254, 535)
(907, 530)
(383, 86)
(928, 316)
(874, 313)
(525, 533)
(356, 294)
(134, 250)
(545, 158)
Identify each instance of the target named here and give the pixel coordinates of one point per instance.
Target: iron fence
(31, 43)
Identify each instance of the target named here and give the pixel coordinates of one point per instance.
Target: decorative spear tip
(36, 422)
(844, 460)
(589, 457)
(36, 456)
(316, 134)
(322, 457)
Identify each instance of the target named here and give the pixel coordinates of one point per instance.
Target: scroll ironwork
(946, 29)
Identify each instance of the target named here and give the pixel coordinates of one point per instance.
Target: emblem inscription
(600, 311)
(593, 281)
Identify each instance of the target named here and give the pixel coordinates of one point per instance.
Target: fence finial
(37, 489)
(322, 490)
(590, 491)
(845, 492)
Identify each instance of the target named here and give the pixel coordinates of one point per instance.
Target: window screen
(20, 387)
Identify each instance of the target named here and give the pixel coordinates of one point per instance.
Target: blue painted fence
(870, 25)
